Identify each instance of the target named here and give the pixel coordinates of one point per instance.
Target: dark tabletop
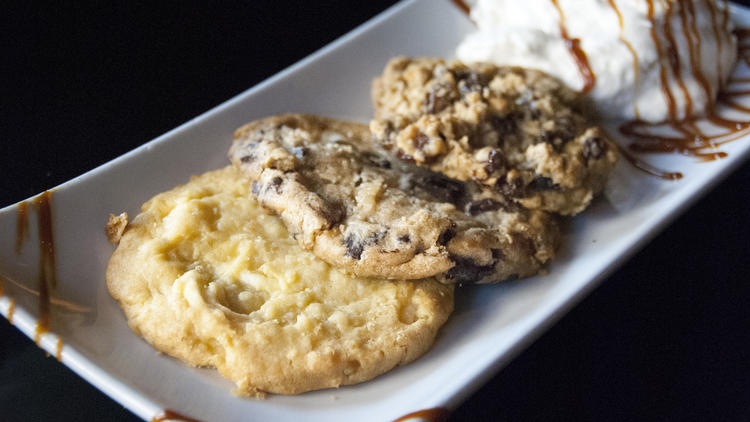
(665, 337)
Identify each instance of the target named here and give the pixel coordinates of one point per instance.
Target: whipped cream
(651, 60)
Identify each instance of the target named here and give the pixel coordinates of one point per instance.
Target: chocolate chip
(401, 155)
(471, 81)
(466, 271)
(504, 125)
(247, 158)
(256, 188)
(300, 152)
(422, 140)
(543, 183)
(513, 188)
(482, 205)
(332, 212)
(565, 128)
(276, 184)
(447, 234)
(354, 247)
(376, 160)
(594, 148)
(547, 137)
(404, 239)
(439, 97)
(441, 188)
(375, 237)
(495, 161)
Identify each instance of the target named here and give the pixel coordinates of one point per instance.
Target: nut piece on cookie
(517, 130)
(116, 225)
(354, 206)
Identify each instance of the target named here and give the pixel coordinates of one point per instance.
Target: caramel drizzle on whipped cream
(667, 49)
(673, 58)
(633, 53)
(576, 52)
(689, 137)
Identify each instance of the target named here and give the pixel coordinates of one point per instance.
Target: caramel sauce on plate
(461, 4)
(47, 274)
(172, 415)
(70, 306)
(22, 225)
(11, 309)
(58, 349)
(437, 414)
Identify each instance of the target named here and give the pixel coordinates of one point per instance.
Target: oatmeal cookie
(354, 206)
(517, 130)
(204, 274)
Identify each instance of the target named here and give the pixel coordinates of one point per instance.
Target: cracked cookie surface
(204, 274)
(516, 130)
(354, 206)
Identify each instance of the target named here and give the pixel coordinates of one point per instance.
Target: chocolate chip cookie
(356, 207)
(519, 131)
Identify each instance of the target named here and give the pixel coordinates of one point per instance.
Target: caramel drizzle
(648, 168)
(22, 225)
(461, 4)
(437, 414)
(11, 309)
(719, 44)
(70, 306)
(579, 56)
(694, 47)
(47, 275)
(742, 35)
(632, 53)
(58, 349)
(172, 416)
(666, 91)
(689, 139)
(725, 98)
(674, 61)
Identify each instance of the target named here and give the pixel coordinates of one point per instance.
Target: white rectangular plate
(490, 322)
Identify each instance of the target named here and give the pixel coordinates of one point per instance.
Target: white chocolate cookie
(205, 275)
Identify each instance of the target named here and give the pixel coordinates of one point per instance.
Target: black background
(666, 337)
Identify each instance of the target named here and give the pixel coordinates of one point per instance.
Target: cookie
(519, 131)
(354, 206)
(204, 274)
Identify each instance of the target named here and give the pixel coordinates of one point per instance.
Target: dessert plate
(89, 333)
